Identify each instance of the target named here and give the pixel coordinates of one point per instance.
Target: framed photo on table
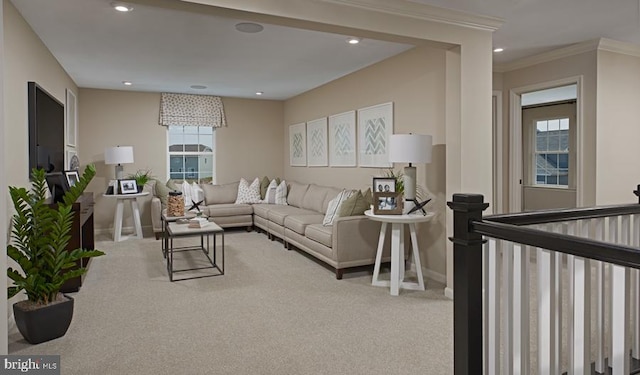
(128, 187)
(72, 177)
(384, 185)
(387, 203)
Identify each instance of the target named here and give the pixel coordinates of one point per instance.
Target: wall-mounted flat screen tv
(46, 130)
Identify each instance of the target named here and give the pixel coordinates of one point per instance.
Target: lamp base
(118, 172)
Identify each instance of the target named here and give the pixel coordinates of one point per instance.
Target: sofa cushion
(332, 192)
(278, 213)
(298, 223)
(249, 193)
(314, 197)
(334, 207)
(296, 193)
(215, 194)
(171, 184)
(228, 209)
(319, 233)
(262, 210)
(356, 204)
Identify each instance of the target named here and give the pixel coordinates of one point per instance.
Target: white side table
(135, 212)
(397, 250)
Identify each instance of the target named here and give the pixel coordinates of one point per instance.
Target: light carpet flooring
(273, 312)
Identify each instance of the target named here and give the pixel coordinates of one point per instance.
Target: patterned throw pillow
(356, 204)
(281, 193)
(334, 207)
(248, 193)
(270, 195)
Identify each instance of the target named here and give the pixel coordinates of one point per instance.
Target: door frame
(515, 139)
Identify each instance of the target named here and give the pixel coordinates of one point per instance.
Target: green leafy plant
(142, 177)
(40, 235)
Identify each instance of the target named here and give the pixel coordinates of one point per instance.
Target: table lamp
(118, 155)
(412, 149)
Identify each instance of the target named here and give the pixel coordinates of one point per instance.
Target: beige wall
(415, 82)
(25, 58)
(583, 65)
(618, 133)
(251, 145)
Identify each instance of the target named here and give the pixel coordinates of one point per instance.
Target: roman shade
(191, 110)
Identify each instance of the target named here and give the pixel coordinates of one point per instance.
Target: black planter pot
(44, 323)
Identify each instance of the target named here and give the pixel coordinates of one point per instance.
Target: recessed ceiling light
(198, 87)
(249, 27)
(127, 83)
(120, 7)
(353, 40)
(498, 50)
(259, 93)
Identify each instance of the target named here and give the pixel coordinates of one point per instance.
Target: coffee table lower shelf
(208, 236)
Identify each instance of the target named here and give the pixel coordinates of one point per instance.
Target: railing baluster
(521, 290)
(557, 310)
(507, 307)
(570, 229)
(492, 307)
(598, 234)
(547, 360)
(582, 311)
(635, 296)
(612, 237)
(620, 321)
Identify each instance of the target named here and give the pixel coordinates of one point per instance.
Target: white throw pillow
(186, 193)
(334, 207)
(281, 193)
(249, 193)
(197, 194)
(270, 196)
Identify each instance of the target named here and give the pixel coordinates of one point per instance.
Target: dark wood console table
(82, 236)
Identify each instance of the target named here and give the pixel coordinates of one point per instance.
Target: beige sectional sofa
(350, 242)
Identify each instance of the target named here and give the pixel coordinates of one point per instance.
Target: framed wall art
(375, 126)
(317, 143)
(298, 145)
(342, 139)
(71, 116)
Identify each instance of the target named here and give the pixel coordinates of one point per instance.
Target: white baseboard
(435, 276)
(145, 228)
(448, 292)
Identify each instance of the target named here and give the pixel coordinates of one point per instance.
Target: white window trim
(191, 153)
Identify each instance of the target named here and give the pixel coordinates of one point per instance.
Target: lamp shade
(410, 148)
(118, 155)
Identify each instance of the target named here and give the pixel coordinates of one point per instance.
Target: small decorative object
(195, 206)
(384, 185)
(419, 206)
(72, 177)
(175, 204)
(128, 187)
(387, 203)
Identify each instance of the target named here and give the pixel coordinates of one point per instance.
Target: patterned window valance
(191, 110)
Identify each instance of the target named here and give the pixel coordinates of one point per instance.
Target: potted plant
(142, 178)
(40, 235)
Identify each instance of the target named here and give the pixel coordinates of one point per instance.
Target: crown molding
(574, 49)
(616, 46)
(425, 12)
(601, 44)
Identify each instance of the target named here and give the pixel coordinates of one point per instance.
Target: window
(191, 153)
(551, 161)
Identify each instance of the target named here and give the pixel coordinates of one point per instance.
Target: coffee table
(166, 219)
(207, 236)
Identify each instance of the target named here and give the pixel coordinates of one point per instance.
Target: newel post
(467, 284)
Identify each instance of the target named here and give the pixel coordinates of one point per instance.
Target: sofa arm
(156, 214)
(355, 238)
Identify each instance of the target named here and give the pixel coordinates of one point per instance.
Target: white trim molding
(448, 292)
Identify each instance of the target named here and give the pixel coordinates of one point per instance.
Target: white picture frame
(69, 154)
(298, 145)
(375, 126)
(71, 119)
(128, 186)
(317, 143)
(342, 139)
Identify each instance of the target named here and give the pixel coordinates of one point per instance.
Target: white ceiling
(160, 49)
